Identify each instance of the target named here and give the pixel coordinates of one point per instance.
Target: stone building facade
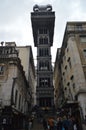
(27, 61)
(73, 64)
(73, 69)
(15, 94)
(58, 89)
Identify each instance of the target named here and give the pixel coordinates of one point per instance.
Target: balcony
(4, 102)
(76, 29)
(45, 88)
(8, 56)
(45, 93)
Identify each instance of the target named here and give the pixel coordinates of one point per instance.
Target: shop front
(10, 119)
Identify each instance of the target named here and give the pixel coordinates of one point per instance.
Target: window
(40, 40)
(2, 69)
(63, 73)
(44, 82)
(72, 82)
(43, 31)
(43, 52)
(40, 31)
(66, 67)
(84, 52)
(43, 40)
(19, 101)
(69, 61)
(65, 88)
(68, 84)
(79, 27)
(72, 78)
(85, 74)
(44, 65)
(82, 38)
(1, 51)
(16, 96)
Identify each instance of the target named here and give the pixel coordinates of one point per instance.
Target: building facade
(42, 19)
(73, 69)
(73, 64)
(26, 57)
(57, 81)
(15, 95)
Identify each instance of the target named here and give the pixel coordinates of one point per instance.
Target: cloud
(38, 1)
(15, 19)
(44, 1)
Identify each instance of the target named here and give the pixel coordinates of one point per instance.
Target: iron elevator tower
(43, 19)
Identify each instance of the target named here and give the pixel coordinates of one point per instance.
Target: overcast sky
(15, 20)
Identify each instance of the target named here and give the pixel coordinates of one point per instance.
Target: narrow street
(37, 125)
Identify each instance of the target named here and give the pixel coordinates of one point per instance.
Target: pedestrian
(55, 123)
(45, 125)
(75, 123)
(59, 124)
(32, 119)
(51, 123)
(30, 124)
(70, 126)
(65, 123)
(75, 127)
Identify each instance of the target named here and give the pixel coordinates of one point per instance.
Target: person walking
(65, 123)
(30, 124)
(70, 122)
(55, 123)
(51, 123)
(45, 125)
(59, 124)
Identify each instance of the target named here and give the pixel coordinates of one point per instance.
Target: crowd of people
(60, 123)
(57, 122)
